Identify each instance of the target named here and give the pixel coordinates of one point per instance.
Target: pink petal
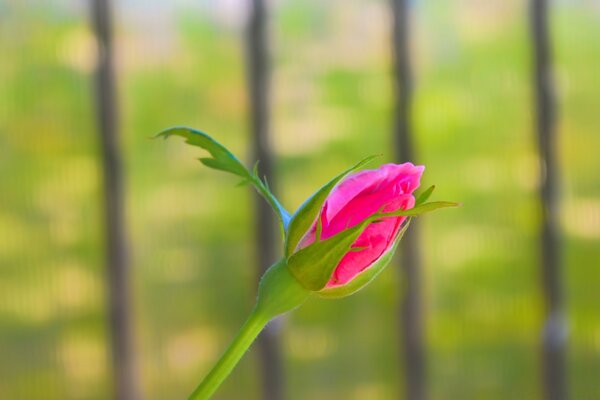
(357, 197)
(377, 238)
(354, 184)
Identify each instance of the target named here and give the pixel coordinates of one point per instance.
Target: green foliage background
(191, 228)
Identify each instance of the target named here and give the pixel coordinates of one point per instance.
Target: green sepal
(223, 160)
(424, 196)
(313, 265)
(306, 214)
(366, 276)
(417, 210)
(279, 291)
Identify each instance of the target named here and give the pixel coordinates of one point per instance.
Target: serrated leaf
(306, 214)
(223, 160)
(423, 197)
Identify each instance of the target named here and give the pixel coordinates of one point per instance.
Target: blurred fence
(53, 331)
(554, 331)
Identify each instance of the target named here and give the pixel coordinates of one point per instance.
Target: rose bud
(353, 229)
(336, 243)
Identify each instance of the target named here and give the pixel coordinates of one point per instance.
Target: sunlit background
(191, 229)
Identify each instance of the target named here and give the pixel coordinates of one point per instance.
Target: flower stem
(240, 344)
(278, 292)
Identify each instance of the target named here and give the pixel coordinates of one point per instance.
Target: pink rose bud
(334, 244)
(351, 202)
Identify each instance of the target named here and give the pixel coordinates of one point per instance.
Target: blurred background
(188, 256)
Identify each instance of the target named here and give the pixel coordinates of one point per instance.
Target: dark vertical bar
(258, 80)
(117, 263)
(411, 309)
(554, 330)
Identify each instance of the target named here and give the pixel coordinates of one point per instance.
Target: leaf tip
(166, 132)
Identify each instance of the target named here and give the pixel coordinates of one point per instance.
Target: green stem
(278, 292)
(263, 190)
(249, 331)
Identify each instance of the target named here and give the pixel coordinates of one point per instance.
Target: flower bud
(353, 236)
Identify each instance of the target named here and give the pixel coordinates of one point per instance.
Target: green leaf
(223, 160)
(423, 197)
(366, 276)
(304, 217)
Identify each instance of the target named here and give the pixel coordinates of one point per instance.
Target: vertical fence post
(554, 332)
(266, 234)
(411, 309)
(117, 263)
